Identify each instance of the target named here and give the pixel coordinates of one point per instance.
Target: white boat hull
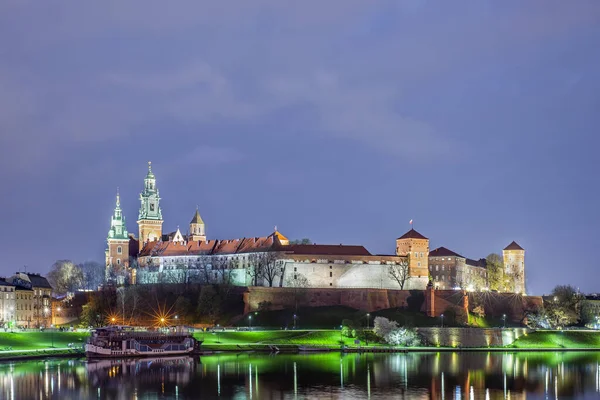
(93, 351)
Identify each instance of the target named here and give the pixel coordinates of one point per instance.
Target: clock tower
(150, 217)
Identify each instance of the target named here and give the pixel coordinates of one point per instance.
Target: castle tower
(514, 266)
(197, 228)
(117, 252)
(416, 247)
(150, 217)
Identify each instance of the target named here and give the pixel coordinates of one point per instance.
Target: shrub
(383, 326)
(402, 337)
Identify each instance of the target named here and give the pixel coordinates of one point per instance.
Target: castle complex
(177, 257)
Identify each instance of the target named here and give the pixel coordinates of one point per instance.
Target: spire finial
(275, 228)
(149, 165)
(118, 197)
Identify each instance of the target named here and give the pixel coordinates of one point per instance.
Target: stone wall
(362, 299)
(471, 337)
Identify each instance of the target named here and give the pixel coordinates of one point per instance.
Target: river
(469, 375)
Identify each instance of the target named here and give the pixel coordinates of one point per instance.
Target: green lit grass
(559, 340)
(40, 340)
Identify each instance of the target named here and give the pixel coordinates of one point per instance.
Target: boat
(124, 341)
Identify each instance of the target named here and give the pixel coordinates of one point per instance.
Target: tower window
(118, 261)
(119, 250)
(330, 274)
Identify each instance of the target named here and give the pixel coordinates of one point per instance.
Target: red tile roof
(326, 249)
(513, 246)
(412, 234)
(443, 252)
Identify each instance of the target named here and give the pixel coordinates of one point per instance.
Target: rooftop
(412, 234)
(513, 246)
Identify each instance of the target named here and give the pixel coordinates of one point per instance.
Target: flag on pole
(410, 222)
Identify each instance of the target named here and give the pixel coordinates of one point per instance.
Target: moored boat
(122, 341)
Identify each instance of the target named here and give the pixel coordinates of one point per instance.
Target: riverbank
(27, 345)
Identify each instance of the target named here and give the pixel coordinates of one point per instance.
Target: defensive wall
(470, 337)
(430, 301)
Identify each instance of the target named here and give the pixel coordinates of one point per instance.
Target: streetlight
(176, 318)
(295, 316)
(51, 330)
(341, 339)
(368, 317)
(53, 317)
(112, 320)
(250, 322)
(12, 312)
(442, 316)
(504, 320)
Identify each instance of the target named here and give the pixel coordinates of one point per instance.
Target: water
(542, 375)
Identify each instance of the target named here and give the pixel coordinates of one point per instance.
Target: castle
(177, 257)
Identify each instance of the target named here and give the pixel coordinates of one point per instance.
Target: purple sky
(338, 121)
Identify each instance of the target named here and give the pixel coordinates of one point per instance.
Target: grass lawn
(260, 339)
(559, 339)
(40, 340)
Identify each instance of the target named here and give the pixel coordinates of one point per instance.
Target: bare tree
(223, 266)
(299, 283)
(93, 274)
(253, 268)
(265, 267)
(400, 273)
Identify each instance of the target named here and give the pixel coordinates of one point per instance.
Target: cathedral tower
(197, 228)
(117, 252)
(150, 217)
(514, 266)
(416, 247)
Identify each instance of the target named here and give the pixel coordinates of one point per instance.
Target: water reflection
(546, 375)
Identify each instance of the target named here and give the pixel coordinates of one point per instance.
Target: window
(416, 254)
(330, 267)
(330, 284)
(295, 269)
(430, 267)
(331, 274)
(419, 264)
(437, 267)
(118, 261)
(421, 254)
(295, 276)
(119, 250)
(442, 267)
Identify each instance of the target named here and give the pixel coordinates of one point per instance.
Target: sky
(336, 120)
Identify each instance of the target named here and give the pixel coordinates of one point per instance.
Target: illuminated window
(437, 267)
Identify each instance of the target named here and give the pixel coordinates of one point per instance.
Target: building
(450, 270)
(32, 300)
(514, 266)
(191, 256)
(7, 303)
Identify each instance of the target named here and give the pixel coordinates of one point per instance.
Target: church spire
(150, 218)
(117, 230)
(197, 227)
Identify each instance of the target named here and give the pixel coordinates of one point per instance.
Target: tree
(65, 276)
(209, 303)
(383, 326)
(399, 273)
(563, 307)
(479, 311)
(495, 271)
(93, 274)
(263, 265)
(301, 241)
(269, 269)
(299, 283)
(402, 337)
